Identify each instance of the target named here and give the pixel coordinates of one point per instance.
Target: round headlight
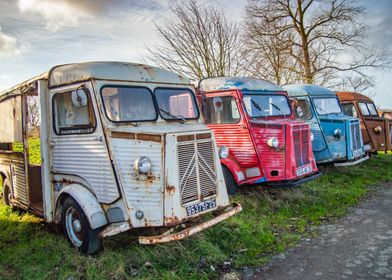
(337, 132)
(142, 165)
(311, 136)
(223, 151)
(273, 142)
(378, 129)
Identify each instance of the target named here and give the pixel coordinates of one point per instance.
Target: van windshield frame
(277, 111)
(324, 111)
(111, 112)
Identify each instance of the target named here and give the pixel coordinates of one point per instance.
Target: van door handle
(99, 139)
(51, 145)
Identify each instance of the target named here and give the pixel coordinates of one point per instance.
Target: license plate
(201, 207)
(304, 170)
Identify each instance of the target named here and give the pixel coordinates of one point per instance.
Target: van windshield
(266, 105)
(176, 104)
(128, 104)
(327, 105)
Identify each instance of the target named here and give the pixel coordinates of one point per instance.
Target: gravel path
(358, 246)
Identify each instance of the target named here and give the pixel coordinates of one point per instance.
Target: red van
(260, 140)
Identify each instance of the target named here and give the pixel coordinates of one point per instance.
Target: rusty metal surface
(114, 229)
(164, 238)
(142, 193)
(117, 71)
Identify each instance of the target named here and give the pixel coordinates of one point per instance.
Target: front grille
(196, 162)
(301, 144)
(356, 136)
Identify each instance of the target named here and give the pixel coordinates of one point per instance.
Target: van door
(223, 114)
(78, 146)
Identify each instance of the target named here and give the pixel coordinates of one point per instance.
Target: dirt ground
(358, 246)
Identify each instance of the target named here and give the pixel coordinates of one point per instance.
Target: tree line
(283, 41)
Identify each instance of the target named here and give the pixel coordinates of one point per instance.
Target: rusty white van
(122, 147)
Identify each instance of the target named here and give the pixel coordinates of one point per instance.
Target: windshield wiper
(257, 106)
(318, 108)
(179, 118)
(277, 108)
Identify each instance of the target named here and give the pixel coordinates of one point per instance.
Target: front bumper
(291, 184)
(351, 163)
(169, 236)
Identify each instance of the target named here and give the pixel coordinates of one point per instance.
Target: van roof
(104, 70)
(241, 83)
(307, 89)
(351, 96)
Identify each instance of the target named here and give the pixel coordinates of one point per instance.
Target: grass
(271, 222)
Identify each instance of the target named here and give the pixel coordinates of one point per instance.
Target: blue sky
(38, 34)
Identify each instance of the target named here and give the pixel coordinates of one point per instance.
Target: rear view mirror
(79, 98)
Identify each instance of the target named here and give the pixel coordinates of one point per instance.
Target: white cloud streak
(8, 45)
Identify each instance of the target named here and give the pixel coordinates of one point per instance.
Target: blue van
(336, 137)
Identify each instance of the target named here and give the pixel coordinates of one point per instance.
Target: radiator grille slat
(301, 144)
(356, 136)
(196, 162)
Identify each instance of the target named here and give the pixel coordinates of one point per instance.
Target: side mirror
(79, 98)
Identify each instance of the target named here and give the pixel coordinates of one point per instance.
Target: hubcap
(73, 226)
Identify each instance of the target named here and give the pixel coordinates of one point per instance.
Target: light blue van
(336, 137)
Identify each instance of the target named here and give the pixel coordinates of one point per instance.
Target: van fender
(233, 167)
(86, 200)
(5, 173)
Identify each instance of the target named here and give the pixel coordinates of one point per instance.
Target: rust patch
(170, 189)
(203, 136)
(169, 236)
(184, 138)
(123, 135)
(149, 137)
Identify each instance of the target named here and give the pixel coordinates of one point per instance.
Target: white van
(123, 146)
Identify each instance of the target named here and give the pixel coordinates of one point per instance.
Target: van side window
(221, 110)
(302, 109)
(364, 109)
(372, 109)
(349, 110)
(73, 112)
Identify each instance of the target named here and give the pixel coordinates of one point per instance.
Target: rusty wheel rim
(74, 227)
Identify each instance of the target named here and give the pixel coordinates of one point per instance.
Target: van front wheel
(77, 228)
(231, 184)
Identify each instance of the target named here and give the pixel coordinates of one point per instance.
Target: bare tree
(322, 39)
(33, 119)
(198, 42)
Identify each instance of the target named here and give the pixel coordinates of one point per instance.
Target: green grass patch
(271, 221)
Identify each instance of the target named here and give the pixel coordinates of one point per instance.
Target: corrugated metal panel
(271, 159)
(84, 156)
(238, 141)
(19, 183)
(144, 195)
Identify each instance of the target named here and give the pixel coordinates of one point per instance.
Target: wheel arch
(233, 167)
(86, 200)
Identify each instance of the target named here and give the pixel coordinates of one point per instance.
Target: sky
(38, 34)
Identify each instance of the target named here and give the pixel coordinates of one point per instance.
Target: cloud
(8, 46)
(69, 13)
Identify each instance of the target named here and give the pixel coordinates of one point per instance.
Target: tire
(77, 228)
(7, 195)
(231, 184)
